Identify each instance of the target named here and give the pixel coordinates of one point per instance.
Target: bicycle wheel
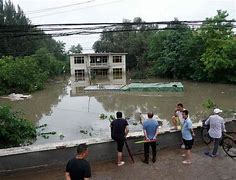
(229, 146)
(205, 137)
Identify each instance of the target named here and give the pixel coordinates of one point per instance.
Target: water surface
(74, 114)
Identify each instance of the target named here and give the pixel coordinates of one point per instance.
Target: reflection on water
(78, 86)
(74, 113)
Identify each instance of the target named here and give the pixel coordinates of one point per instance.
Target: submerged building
(98, 68)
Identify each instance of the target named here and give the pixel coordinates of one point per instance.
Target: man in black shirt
(78, 168)
(119, 131)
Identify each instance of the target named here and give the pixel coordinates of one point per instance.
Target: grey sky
(116, 10)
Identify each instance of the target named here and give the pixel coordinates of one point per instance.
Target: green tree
(18, 37)
(128, 40)
(219, 57)
(169, 51)
(20, 75)
(14, 130)
(75, 49)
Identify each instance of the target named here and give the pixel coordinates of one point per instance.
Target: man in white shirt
(217, 126)
(178, 119)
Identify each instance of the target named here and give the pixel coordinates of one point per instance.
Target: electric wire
(58, 7)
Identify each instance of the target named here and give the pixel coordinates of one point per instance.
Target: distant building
(97, 65)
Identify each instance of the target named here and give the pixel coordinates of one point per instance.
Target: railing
(98, 64)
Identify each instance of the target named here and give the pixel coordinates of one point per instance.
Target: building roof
(97, 54)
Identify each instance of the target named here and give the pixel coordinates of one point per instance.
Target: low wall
(99, 149)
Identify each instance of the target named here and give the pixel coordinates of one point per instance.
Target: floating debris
(61, 136)
(102, 116)
(84, 131)
(16, 97)
(111, 118)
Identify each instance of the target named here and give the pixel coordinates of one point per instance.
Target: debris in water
(84, 131)
(17, 97)
(102, 116)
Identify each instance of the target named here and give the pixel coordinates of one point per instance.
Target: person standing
(150, 129)
(187, 136)
(119, 131)
(217, 126)
(78, 168)
(177, 119)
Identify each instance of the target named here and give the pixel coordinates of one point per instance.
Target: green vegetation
(207, 53)
(26, 62)
(104, 116)
(15, 131)
(76, 49)
(209, 104)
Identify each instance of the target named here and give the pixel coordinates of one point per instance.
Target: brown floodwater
(75, 114)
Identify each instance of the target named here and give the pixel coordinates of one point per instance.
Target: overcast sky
(84, 11)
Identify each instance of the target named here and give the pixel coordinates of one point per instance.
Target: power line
(62, 12)
(59, 7)
(58, 30)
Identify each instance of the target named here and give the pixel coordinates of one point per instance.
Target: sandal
(121, 163)
(186, 162)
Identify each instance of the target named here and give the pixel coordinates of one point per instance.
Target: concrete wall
(100, 150)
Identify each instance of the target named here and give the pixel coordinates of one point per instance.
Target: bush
(15, 131)
(20, 75)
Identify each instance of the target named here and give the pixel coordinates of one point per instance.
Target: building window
(78, 60)
(117, 73)
(99, 73)
(117, 59)
(79, 75)
(98, 60)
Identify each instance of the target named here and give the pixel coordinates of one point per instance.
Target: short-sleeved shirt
(186, 129)
(216, 126)
(179, 114)
(150, 125)
(78, 169)
(118, 129)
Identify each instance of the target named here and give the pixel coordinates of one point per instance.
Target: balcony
(99, 65)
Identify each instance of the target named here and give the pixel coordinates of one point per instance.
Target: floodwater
(74, 114)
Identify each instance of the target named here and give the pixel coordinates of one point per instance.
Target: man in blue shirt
(150, 129)
(187, 136)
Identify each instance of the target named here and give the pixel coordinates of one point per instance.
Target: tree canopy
(178, 51)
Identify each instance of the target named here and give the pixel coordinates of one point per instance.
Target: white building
(96, 65)
(85, 68)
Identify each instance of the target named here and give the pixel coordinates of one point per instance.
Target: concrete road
(167, 167)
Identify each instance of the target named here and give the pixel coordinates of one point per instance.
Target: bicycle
(228, 140)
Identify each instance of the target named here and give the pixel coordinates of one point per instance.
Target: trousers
(146, 150)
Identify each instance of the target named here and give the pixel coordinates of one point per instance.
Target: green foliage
(14, 131)
(20, 75)
(29, 73)
(48, 63)
(76, 49)
(219, 56)
(102, 116)
(204, 54)
(134, 43)
(13, 43)
(209, 104)
(170, 52)
(26, 61)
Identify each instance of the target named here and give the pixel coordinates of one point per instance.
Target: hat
(217, 110)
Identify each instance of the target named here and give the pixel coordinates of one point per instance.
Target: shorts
(188, 144)
(120, 145)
